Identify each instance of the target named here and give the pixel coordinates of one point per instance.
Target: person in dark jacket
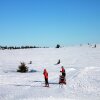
(45, 73)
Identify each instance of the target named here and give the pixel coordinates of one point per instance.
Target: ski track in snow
(82, 66)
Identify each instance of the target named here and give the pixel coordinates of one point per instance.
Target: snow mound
(82, 65)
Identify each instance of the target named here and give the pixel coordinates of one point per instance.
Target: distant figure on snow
(30, 62)
(58, 62)
(62, 78)
(63, 71)
(45, 73)
(95, 46)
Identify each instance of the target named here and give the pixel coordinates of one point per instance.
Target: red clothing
(45, 74)
(62, 70)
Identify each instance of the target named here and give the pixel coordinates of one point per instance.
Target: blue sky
(49, 22)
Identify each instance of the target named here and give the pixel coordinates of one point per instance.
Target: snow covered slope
(82, 66)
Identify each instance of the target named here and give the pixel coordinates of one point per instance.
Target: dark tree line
(17, 47)
(24, 47)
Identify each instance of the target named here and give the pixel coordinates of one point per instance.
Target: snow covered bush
(22, 68)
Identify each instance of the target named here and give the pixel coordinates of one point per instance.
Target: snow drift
(82, 65)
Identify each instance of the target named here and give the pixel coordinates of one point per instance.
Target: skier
(63, 71)
(45, 73)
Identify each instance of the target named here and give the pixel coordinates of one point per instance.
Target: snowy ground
(82, 66)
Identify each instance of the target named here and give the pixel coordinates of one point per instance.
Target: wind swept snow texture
(82, 65)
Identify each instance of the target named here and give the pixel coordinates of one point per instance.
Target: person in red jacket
(63, 71)
(45, 73)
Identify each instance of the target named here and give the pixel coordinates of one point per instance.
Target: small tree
(22, 68)
(58, 46)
